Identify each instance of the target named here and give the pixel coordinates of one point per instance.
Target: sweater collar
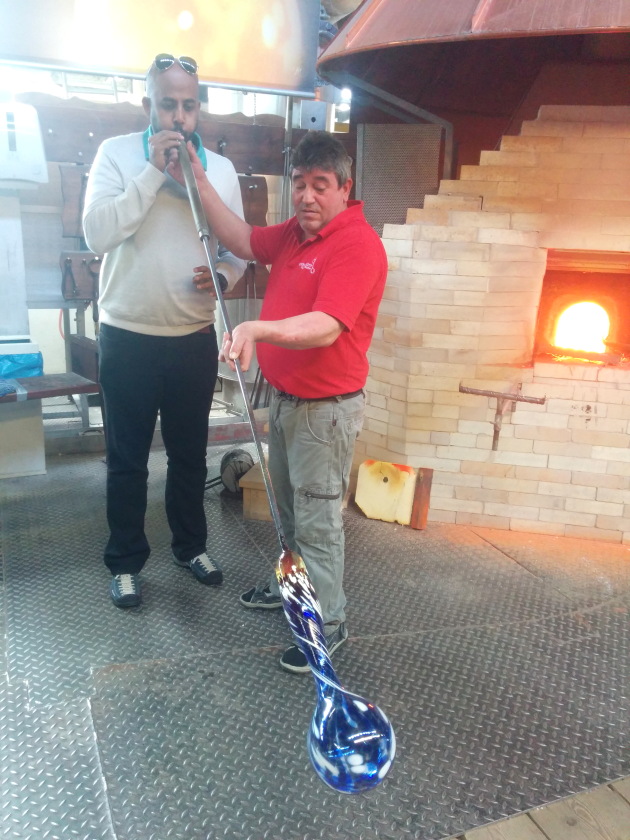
(196, 141)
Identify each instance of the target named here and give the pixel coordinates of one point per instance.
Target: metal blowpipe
(350, 741)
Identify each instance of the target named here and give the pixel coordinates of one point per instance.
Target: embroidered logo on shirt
(309, 266)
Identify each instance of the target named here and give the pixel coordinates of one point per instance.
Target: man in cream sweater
(157, 342)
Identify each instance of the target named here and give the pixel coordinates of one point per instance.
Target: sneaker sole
(293, 669)
(214, 579)
(126, 601)
(257, 605)
(126, 604)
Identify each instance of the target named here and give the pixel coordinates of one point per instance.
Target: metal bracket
(505, 402)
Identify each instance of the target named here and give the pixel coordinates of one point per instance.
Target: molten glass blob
(350, 741)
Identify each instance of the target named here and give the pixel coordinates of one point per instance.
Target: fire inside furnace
(583, 326)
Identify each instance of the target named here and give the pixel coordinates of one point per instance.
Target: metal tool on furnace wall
(505, 402)
(350, 741)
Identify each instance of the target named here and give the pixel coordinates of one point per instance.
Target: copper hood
(386, 23)
(492, 61)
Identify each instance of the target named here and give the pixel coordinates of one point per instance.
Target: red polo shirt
(341, 271)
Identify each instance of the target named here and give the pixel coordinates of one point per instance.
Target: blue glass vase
(350, 741)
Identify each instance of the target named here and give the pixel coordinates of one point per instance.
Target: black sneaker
(293, 659)
(204, 568)
(125, 590)
(260, 598)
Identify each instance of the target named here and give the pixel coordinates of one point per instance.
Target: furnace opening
(584, 311)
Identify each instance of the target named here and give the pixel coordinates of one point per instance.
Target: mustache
(188, 135)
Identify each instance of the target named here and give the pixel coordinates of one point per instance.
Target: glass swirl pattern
(350, 741)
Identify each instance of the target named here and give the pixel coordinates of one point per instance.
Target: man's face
(317, 198)
(174, 104)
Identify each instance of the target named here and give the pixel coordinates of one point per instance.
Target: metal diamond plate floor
(502, 659)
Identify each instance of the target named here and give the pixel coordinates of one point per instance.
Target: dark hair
(321, 150)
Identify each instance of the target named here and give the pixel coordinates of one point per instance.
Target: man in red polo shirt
(328, 272)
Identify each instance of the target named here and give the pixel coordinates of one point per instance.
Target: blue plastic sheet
(15, 365)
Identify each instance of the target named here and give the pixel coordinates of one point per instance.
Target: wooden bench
(21, 423)
(50, 385)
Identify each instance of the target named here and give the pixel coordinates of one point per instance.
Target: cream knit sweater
(140, 219)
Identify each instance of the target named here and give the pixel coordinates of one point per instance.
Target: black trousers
(142, 375)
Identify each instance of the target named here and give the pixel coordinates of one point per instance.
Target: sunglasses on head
(164, 60)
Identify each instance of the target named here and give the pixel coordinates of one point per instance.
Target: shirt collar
(354, 210)
(196, 141)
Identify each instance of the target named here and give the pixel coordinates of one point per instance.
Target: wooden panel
(421, 499)
(73, 183)
(73, 129)
(601, 814)
(251, 148)
(251, 285)
(255, 195)
(79, 275)
(84, 356)
(516, 828)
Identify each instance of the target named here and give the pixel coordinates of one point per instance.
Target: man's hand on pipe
(164, 149)
(239, 345)
(174, 167)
